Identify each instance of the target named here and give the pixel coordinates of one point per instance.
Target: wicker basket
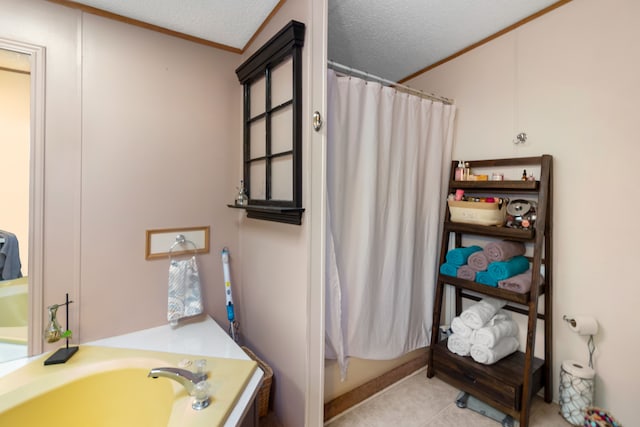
(265, 387)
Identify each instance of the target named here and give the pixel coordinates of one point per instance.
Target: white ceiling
(228, 22)
(388, 38)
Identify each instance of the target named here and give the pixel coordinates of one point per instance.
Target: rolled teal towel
(449, 269)
(501, 270)
(459, 256)
(485, 278)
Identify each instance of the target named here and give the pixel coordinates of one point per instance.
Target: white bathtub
(105, 386)
(203, 337)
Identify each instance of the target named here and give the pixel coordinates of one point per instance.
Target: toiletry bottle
(459, 176)
(524, 175)
(467, 171)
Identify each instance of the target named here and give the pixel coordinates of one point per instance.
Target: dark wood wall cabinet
(272, 127)
(509, 384)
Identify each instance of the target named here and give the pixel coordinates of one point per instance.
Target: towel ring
(182, 241)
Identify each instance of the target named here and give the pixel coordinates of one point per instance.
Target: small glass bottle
(53, 331)
(241, 198)
(524, 175)
(467, 171)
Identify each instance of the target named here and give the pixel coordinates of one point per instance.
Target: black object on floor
(465, 400)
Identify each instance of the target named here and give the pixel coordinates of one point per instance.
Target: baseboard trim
(351, 398)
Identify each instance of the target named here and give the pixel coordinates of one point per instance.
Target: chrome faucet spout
(187, 378)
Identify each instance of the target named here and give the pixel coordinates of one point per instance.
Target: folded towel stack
(466, 272)
(520, 283)
(500, 326)
(489, 356)
(449, 269)
(498, 261)
(460, 328)
(478, 261)
(481, 312)
(484, 332)
(459, 345)
(501, 270)
(503, 250)
(459, 256)
(486, 279)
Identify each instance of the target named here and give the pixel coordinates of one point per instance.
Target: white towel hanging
(185, 296)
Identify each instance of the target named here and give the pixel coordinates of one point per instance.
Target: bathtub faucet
(195, 383)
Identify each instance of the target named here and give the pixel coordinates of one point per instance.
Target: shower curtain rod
(357, 73)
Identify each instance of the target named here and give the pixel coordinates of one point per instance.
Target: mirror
(21, 145)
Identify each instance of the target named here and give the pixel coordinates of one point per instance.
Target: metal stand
(465, 400)
(63, 354)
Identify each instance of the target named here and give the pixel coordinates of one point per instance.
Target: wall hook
(521, 138)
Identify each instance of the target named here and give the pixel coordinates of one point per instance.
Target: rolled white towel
(458, 344)
(488, 356)
(481, 312)
(499, 326)
(458, 327)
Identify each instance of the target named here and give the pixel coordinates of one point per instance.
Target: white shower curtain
(388, 155)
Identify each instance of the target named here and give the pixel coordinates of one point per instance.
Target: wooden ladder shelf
(509, 384)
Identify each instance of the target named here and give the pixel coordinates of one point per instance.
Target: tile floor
(417, 401)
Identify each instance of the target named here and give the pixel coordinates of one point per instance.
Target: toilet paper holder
(591, 346)
(569, 320)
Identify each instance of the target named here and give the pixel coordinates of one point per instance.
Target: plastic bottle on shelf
(459, 175)
(467, 171)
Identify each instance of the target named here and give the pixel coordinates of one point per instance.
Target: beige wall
(138, 137)
(274, 260)
(14, 171)
(144, 131)
(570, 80)
(140, 134)
(359, 372)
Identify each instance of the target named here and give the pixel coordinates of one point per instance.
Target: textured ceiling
(392, 39)
(397, 38)
(228, 22)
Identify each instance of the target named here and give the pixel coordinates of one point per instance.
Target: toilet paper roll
(584, 325)
(578, 370)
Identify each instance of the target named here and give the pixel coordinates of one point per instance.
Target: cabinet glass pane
(258, 139)
(282, 82)
(282, 130)
(258, 180)
(282, 178)
(258, 93)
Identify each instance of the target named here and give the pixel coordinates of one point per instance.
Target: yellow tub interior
(101, 386)
(14, 311)
(118, 398)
